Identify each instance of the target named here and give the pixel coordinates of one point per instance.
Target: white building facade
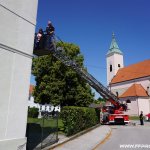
(18, 20)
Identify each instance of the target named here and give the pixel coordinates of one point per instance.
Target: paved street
(87, 141)
(112, 137)
(127, 135)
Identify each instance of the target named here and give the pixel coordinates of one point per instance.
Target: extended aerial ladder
(46, 48)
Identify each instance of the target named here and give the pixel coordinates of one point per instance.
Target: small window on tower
(119, 65)
(110, 68)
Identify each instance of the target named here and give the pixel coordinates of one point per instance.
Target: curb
(70, 138)
(103, 141)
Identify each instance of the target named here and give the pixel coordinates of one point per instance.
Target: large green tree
(58, 84)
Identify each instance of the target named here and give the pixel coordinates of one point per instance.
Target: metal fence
(43, 132)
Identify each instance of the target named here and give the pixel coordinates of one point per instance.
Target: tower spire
(113, 35)
(114, 48)
(114, 59)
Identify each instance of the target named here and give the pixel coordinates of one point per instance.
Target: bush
(76, 119)
(33, 112)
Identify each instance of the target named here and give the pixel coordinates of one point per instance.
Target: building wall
(144, 105)
(18, 19)
(18, 24)
(113, 60)
(132, 107)
(123, 86)
(140, 103)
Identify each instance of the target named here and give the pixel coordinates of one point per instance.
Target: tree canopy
(60, 85)
(100, 100)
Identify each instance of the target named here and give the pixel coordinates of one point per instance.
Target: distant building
(46, 107)
(132, 83)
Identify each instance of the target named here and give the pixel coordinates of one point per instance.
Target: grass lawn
(133, 117)
(50, 123)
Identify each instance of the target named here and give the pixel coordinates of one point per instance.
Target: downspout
(137, 105)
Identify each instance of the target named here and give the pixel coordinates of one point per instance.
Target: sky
(90, 23)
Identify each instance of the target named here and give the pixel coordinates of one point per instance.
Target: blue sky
(90, 23)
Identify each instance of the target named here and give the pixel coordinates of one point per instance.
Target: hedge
(76, 119)
(33, 112)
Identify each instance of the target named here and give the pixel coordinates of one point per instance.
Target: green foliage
(100, 101)
(58, 84)
(76, 119)
(97, 110)
(33, 112)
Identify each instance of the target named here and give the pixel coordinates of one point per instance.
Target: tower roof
(114, 48)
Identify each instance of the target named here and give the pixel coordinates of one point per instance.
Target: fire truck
(112, 114)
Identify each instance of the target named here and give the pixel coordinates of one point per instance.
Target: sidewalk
(137, 123)
(87, 141)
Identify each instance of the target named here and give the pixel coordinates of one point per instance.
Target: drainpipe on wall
(138, 105)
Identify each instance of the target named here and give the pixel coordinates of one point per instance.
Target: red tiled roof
(138, 70)
(31, 89)
(135, 90)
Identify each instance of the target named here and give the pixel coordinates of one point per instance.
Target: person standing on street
(141, 118)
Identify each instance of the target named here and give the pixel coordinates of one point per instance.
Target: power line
(99, 67)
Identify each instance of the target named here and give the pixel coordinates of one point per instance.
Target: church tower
(114, 59)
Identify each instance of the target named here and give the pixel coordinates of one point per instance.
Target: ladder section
(103, 91)
(47, 48)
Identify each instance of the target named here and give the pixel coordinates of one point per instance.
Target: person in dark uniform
(141, 118)
(50, 28)
(50, 33)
